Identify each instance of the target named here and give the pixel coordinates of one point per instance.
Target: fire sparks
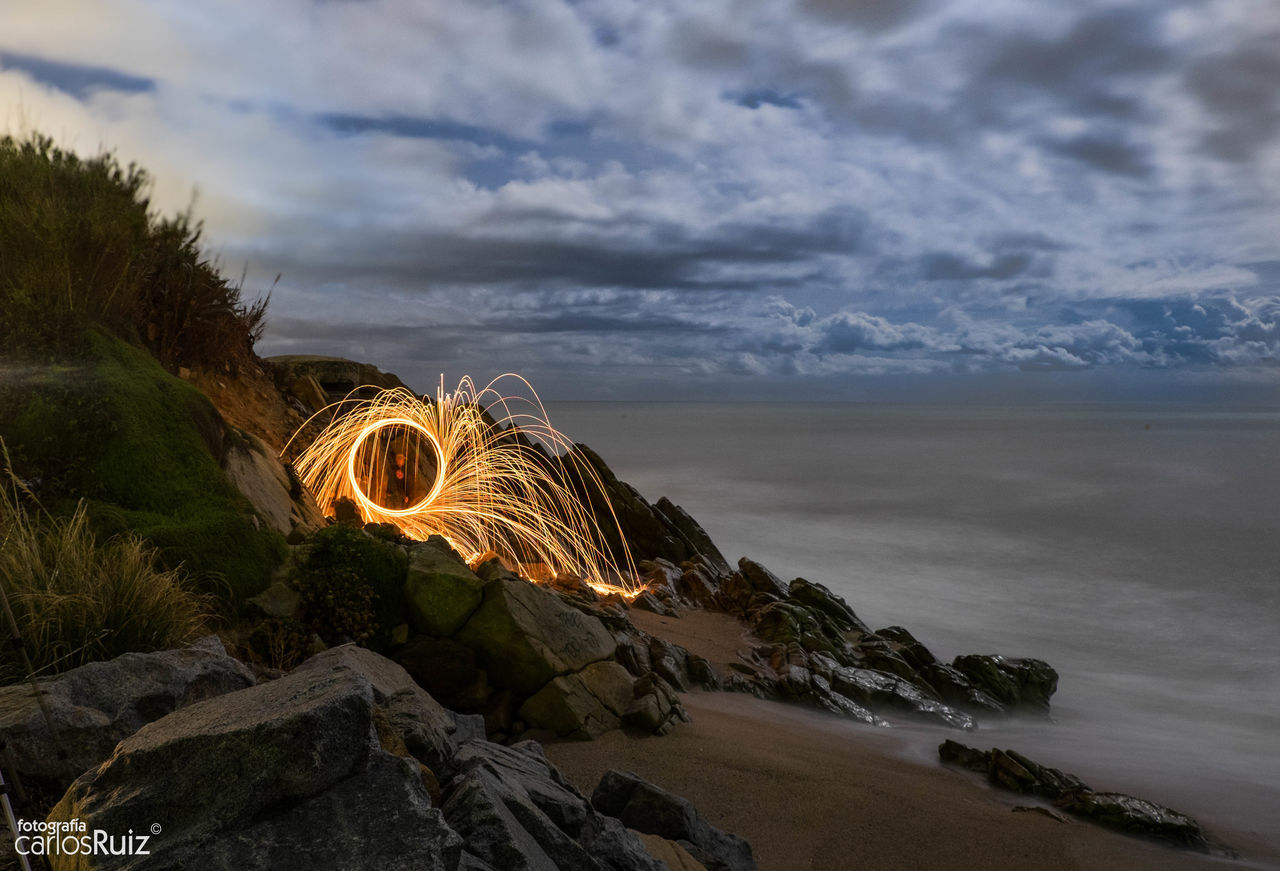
(484, 470)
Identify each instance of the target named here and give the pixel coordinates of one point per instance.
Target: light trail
(468, 467)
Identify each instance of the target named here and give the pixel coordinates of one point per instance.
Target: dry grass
(79, 600)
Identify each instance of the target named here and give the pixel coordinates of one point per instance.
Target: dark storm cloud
(1240, 90)
(1113, 155)
(79, 80)
(1084, 67)
(870, 15)
(943, 266)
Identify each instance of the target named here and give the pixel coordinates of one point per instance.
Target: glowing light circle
(368, 503)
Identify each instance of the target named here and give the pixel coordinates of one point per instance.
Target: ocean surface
(1135, 548)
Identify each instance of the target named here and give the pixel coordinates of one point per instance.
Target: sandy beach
(811, 791)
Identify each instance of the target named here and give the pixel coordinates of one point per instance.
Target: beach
(810, 791)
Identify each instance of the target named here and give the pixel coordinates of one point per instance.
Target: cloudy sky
(673, 199)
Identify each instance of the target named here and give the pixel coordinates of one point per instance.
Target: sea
(1136, 548)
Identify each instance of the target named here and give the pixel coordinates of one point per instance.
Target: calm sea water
(1135, 548)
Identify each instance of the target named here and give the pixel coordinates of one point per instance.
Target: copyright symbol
(155, 828)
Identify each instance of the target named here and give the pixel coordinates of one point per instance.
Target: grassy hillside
(100, 300)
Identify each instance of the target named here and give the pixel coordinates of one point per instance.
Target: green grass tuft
(78, 599)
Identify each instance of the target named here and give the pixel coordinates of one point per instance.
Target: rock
(1015, 683)
(656, 708)
(822, 600)
(378, 820)
(646, 601)
(1137, 816)
(441, 591)
(955, 753)
(1039, 809)
(309, 392)
(1011, 770)
(257, 472)
(760, 579)
(642, 806)
(502, 826)
(97, 705)
(693, 534)
(443, 667)
(524, 636)
(878, 689)
(735, 593)
(912, 651)
(335, 376)
(615, 847)
(783, 622)
(698, 587)
(526, 764)
(956, 689)
(585, 704)
(268, 755)
(278, 600)
(671, 854)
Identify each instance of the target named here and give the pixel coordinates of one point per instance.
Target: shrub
(79, 247)
(352, 586)
(79, 600)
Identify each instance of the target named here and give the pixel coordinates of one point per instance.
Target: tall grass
(78, 599)
(80, 246)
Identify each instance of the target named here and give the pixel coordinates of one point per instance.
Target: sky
(817, 199)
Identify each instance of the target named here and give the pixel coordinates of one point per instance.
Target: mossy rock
(524, 636)
(144, 449)
(440, 590)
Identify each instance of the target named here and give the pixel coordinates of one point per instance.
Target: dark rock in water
(1012, 771)
(441, 591)
(1139, 817)
(97, 705)
(647, 808)
(955, 753)
(956, 689)
(878, 689)
(1015, 683)
(911, 650)
(760, 579)
(524, 636)
(821, 599)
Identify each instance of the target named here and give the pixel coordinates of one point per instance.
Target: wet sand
(811, 791)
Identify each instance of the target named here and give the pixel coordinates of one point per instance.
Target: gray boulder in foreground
(647, 808)
(343, 763)
(95, 706)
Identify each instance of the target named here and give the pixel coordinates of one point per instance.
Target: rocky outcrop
(336, 376)
(1010, 770)
(95, 706)
(343, 763)
(523, 655)
(642, 806)
(280, 501)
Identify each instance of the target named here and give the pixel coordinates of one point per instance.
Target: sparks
(484, 470)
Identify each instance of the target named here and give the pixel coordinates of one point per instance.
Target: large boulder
(877, 689)
(585, 704)
(648, 808)
(1025, 684)
(440, 590)
(257, 472)
(760, 579)
(296, 761)
(525, 636)
(820, 599)
(95, 706)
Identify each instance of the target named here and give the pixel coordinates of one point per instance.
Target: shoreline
(827, 794)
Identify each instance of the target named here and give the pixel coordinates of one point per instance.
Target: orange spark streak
(493, 491)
